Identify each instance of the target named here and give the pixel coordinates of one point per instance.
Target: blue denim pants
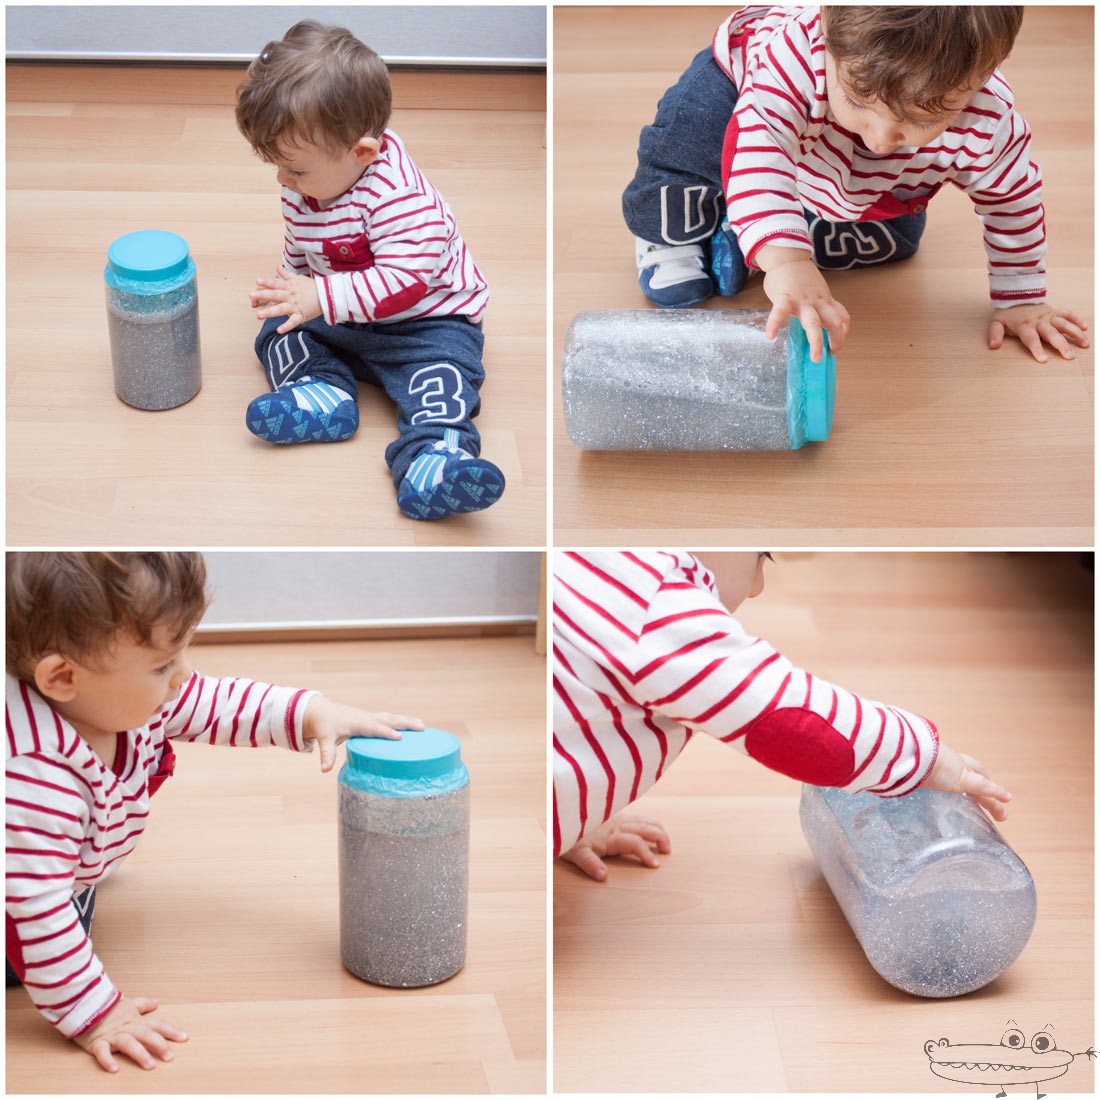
(677, 195)
(431, 369)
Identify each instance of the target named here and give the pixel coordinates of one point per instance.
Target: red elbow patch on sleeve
(802, 745)
(402, 300)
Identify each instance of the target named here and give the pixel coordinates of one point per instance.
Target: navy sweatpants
(431, 369)
(677, 194)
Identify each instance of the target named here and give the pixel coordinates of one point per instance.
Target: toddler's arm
(232, 711)
(619, 836)
(409, 237)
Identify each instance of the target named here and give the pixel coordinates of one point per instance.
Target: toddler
(376, 283)
(98, 688)
(821, 135)
(646, 655)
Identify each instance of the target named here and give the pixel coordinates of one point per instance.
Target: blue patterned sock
(444, 480)
(307, 411)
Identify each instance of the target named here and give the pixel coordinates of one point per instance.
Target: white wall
(265, 587)
(409, 33)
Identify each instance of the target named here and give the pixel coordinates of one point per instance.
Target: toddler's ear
(55, 678)
(366, 149)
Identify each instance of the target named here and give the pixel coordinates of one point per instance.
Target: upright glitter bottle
(404, 857)
(693, 380)
(153, 319)
(940, 904)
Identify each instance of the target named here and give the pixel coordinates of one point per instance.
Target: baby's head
(315, 105)
(739, 574)
(898, 76)
(101, 635)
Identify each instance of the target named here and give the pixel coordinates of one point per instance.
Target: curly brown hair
(913, 58)
(81, 603)
(317, 85)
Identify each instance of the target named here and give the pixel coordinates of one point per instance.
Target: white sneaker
(672, 276)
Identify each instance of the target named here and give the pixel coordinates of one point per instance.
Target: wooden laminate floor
(97, 151)
(937, 440)
(730, 968)
(228, 910)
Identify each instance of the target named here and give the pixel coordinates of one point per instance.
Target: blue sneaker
(445, 480)
(306, 411)
(727, 264)
(672, 276)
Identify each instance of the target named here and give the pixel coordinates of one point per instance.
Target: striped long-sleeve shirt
(388, 249)
(72, 817)
(646, 656)
(784, 150)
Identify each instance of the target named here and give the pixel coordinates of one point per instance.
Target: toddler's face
(877, 125)
(739, 576)
(127, 688)
(317, 174)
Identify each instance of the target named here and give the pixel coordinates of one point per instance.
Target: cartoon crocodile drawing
(1012, 1061)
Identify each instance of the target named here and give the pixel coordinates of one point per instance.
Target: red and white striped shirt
(388, 249)
(646, 656)
(784, 150)
(72, 817)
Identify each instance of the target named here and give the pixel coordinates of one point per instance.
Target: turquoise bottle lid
(148, 256)
(811, 388)
(420, 754)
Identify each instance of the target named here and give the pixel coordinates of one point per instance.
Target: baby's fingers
(1072, 327)
(811, 322)
(585, 859)
(631, 844)
(326, 747)
(292, 322)
(1028, 335)
(651, 831)
(124, 1043)
(780, 312)
(1057, 341)
(399, 722)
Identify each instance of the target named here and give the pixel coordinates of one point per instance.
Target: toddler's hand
(797, 289)
(619, 836)
(1032, 325)
(130, 1029)
(958, 773)
(286, 295)
(330, 724)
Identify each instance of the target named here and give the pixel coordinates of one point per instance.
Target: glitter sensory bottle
(940, 904)
(693, 380)
(153, 318)
(404, 856)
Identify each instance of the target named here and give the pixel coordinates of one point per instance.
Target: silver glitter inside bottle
(153, 319)
(940, 904)
(693, 380)
(404, 857)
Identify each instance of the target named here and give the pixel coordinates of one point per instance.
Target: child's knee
(842, 245)
(444, 394)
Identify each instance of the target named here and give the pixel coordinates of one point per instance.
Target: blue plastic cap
(420, 754)
(148, 256)
(811, 388)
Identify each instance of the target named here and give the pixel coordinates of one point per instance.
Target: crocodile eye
(1042, 1042)
(1013, 1038)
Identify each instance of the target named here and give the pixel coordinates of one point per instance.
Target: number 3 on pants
(439, 388)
